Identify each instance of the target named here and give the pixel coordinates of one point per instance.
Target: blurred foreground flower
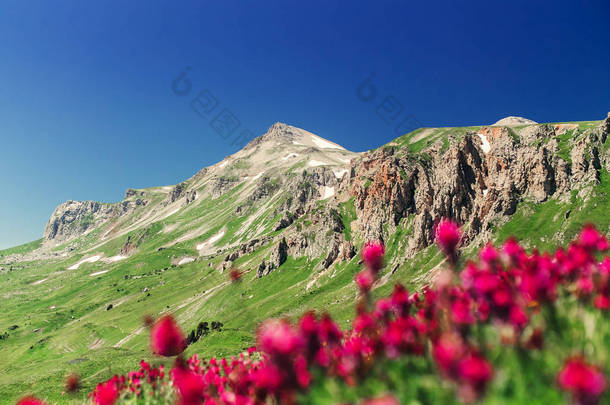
(30, 400)
(166, 338)
(72, 383)
(106, 393)
(583, 381)
(448, 236)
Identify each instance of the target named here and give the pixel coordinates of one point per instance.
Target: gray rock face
(294, 188)
(74, 218)
(476, 180)
(71, 218)
(278, 256)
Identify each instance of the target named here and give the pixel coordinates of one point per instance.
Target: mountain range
(290, 211)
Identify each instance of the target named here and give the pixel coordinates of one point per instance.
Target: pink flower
(364, 280)
(447, 351)
(518, 317)
(602, 302)
(106, 393)
(489, 254)
(190, 386)
(591, 239)
(475, 370)
(30, 400)
(584, 381)
(268, 378)
(277, 337)
(461, 308)
(448, 236)
(166, 338)
(372, 255)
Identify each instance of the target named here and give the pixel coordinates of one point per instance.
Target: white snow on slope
(185, 261)
(327, 192)
(323, 143)
(484, 143)
(91, 259)
(172, 212)
(211, 241)
(97, 273)
(313, 163)
(39, 281)
(115, 258)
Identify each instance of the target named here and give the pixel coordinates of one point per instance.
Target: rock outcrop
(475, 180)
(296, 194)
(74, 218)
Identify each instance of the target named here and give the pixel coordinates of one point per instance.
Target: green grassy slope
(57, 320)
(21, 249)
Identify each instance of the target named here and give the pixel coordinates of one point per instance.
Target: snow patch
(485, 192)
(115, 258)
(223, 163)
(484, 143)
(172, 212)
(313, 163)
(97, 273)
(39, 281)
(91, 259)
(211, 241)
(298, 143)
(327, 192)
(186, 260)
(257, 176)
(323, 143)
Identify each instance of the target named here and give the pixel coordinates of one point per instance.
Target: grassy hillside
(21, 249)
(88, 320)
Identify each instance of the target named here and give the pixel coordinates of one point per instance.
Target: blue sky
(87, 108)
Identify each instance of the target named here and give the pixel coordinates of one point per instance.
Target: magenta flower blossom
(505, 288)
(190, 386)
(106, 393)
(591, 239)
(166, 338)
(30, 400)
(278, 337)
(372, 256)
(364, 280)
(583, 381)
(448, 236)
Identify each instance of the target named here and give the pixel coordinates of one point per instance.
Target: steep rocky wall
(74, 218)
(476, 180)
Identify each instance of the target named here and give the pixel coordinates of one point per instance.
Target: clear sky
(87, 107)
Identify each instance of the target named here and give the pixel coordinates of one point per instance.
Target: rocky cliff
(296, 194)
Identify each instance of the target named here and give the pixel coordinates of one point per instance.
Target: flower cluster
(506, 289)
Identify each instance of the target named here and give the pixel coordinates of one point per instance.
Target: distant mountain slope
(291, 210)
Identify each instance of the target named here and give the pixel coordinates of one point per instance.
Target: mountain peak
(287, 134)
(514, 121)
